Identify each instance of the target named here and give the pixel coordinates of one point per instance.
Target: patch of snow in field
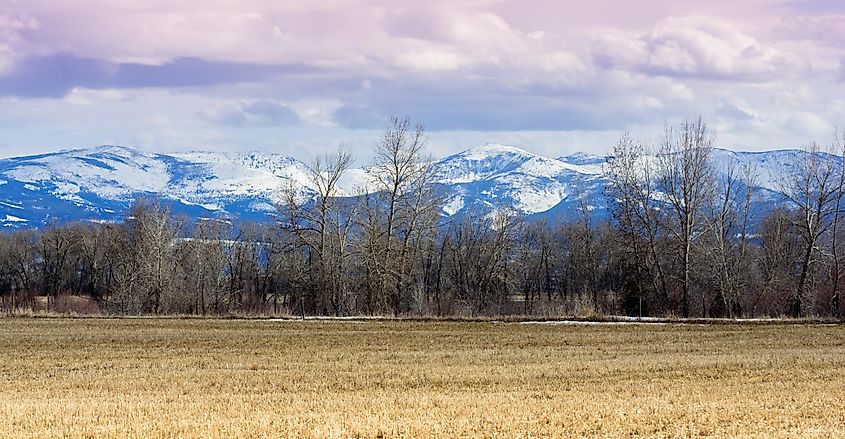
(591, 323)
(318, 319)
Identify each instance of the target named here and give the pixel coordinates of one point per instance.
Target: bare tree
(535, 248)
(203, 266)
(583, 265)
(56, 245)
(322, 225)
(685, 179)
(479, 257)
(836, 266)
(813, 194)
(780, 249)
(634, 206)
(727, 240)
(20, 264)
(403, 209)
(147, 270)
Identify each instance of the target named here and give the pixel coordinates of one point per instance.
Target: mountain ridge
(100, 183)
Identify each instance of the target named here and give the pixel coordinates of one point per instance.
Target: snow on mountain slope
(501, 175)
(213, 178)
(108, 172)
(100, 183)
(770, 169)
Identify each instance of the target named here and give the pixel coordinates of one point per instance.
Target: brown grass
(232, 378)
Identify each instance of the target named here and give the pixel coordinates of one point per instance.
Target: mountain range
(100, 183)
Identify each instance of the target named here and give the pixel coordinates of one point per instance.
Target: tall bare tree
(404, 206)
(146, 274)
(56, 246)
(631, 173)
(727, 240)
(20, 263)
(813, 193)
(323, 226)
(836, 266)
(685, 178)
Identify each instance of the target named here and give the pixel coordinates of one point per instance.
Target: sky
(303, 77)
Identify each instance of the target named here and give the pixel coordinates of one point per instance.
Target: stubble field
(233, 378)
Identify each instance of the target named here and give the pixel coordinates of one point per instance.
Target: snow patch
(14, 219)
(454, 205)
(355, 181)
(593, 323)
(493, 149)
(10, 205)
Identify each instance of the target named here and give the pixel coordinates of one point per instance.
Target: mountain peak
(493, 149)
(581, 158)
(118, 150)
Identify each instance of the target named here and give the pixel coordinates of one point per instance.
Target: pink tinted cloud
(696, 46)
(373, 36)
(480, 59)
(828, 30)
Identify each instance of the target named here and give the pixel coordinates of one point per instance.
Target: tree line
(682, 240)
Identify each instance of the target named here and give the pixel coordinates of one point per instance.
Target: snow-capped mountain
(100, 183)
(498, 175)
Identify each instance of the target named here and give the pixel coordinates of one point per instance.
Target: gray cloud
(456, 104)
(256, 113)
(733, 112)
(815, 6)
(56, 75)
(359, 116)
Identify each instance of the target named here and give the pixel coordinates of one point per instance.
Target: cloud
(256, 113)
(85, 96)
(358, 116)
(826, 30)
(11, 41)
(734, 111)
(431, 60)
(824, 7)
(218, 73)
(273, 113)
(695, 47)
(449, 103)
(56, 75)
(7, 58)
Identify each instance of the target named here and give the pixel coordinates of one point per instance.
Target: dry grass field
(231, 378)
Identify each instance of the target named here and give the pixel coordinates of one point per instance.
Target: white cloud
(87, 96)
(430, 59)
(699, 47)
(11, 42)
